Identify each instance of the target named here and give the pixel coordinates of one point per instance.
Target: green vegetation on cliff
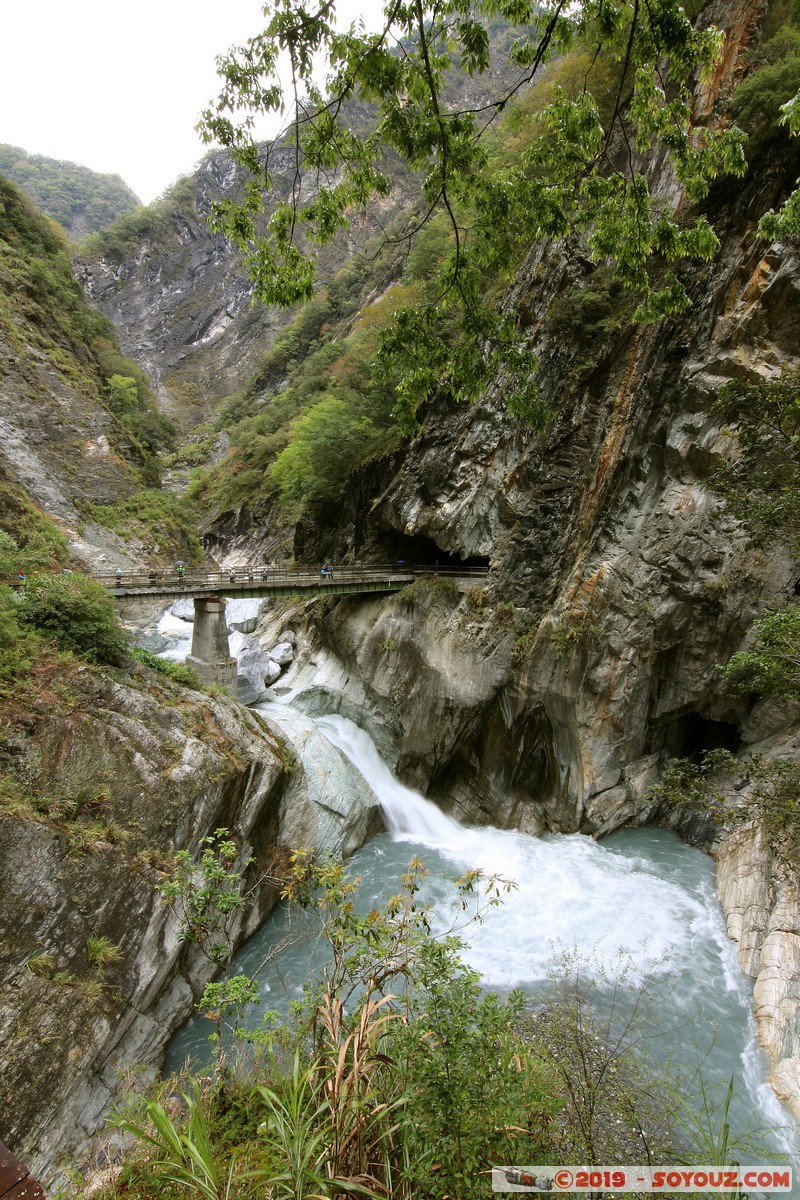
(42, 302)
(164, 523)
(148, 223)
(62, 610)
(81, 200)
(37, 278)
(315, 411)
(323, 401)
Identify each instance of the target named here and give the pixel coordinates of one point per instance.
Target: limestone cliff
(179, 298)
(62, 443)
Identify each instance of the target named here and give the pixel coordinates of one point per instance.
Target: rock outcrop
(126, 774)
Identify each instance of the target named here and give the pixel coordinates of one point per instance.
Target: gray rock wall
(159, 768)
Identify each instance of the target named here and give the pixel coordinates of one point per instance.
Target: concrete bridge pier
(210, 654)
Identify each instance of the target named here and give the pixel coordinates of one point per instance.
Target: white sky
(117, 87)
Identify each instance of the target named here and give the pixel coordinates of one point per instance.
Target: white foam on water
(608, 909)
(570, 891)
(180, 633)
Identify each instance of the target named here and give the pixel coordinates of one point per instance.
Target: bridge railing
(194, 579)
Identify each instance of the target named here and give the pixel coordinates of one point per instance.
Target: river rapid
(638, 909)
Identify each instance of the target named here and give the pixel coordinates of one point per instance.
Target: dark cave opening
(689, 735)
(421, 551)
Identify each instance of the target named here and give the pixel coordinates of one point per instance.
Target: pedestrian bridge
(270, 581)
(210, 655)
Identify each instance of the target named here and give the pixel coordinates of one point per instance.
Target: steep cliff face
(180, 301)
(178, 295)
(620, 576)
(96, 799)
(61, 443)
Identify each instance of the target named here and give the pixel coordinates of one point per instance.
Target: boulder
(282, 654)
(255, 669)
(242, 615)
(183, 609)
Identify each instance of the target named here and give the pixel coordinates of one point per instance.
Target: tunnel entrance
(688, 735)
(420, 551)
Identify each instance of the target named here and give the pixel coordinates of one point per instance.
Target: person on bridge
(118, 575)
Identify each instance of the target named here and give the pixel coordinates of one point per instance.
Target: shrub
(17, 646)
(29, 540)
(430, 586)
(476, 597)
(737, 792)
(165, 666)
(761, 483)
(757, 100)
(770, 663)
(101, 951)
(327, 444)
(77, 614)
(41, 964)
(152, 516)
(504, 615)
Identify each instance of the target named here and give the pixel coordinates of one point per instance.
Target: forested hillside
(81, 200)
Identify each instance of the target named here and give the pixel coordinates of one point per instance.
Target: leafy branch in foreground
(207, 897)
(785, 222)
(577, 173)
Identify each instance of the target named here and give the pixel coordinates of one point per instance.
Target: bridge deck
(276, 581)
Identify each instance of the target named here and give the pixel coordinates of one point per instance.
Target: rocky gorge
(547, 700)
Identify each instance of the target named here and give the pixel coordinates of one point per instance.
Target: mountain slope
(81, 200)
(79, 428)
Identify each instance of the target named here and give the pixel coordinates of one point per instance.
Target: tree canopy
(428, 77)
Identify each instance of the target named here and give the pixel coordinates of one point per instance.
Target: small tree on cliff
(208, 896)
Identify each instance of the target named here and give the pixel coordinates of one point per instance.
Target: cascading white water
(406, 812)
(178, 633)
(640, 906)
(570, 890)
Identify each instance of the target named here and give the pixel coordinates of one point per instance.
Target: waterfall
(570, 890)
(407, 814)
(641, 904)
